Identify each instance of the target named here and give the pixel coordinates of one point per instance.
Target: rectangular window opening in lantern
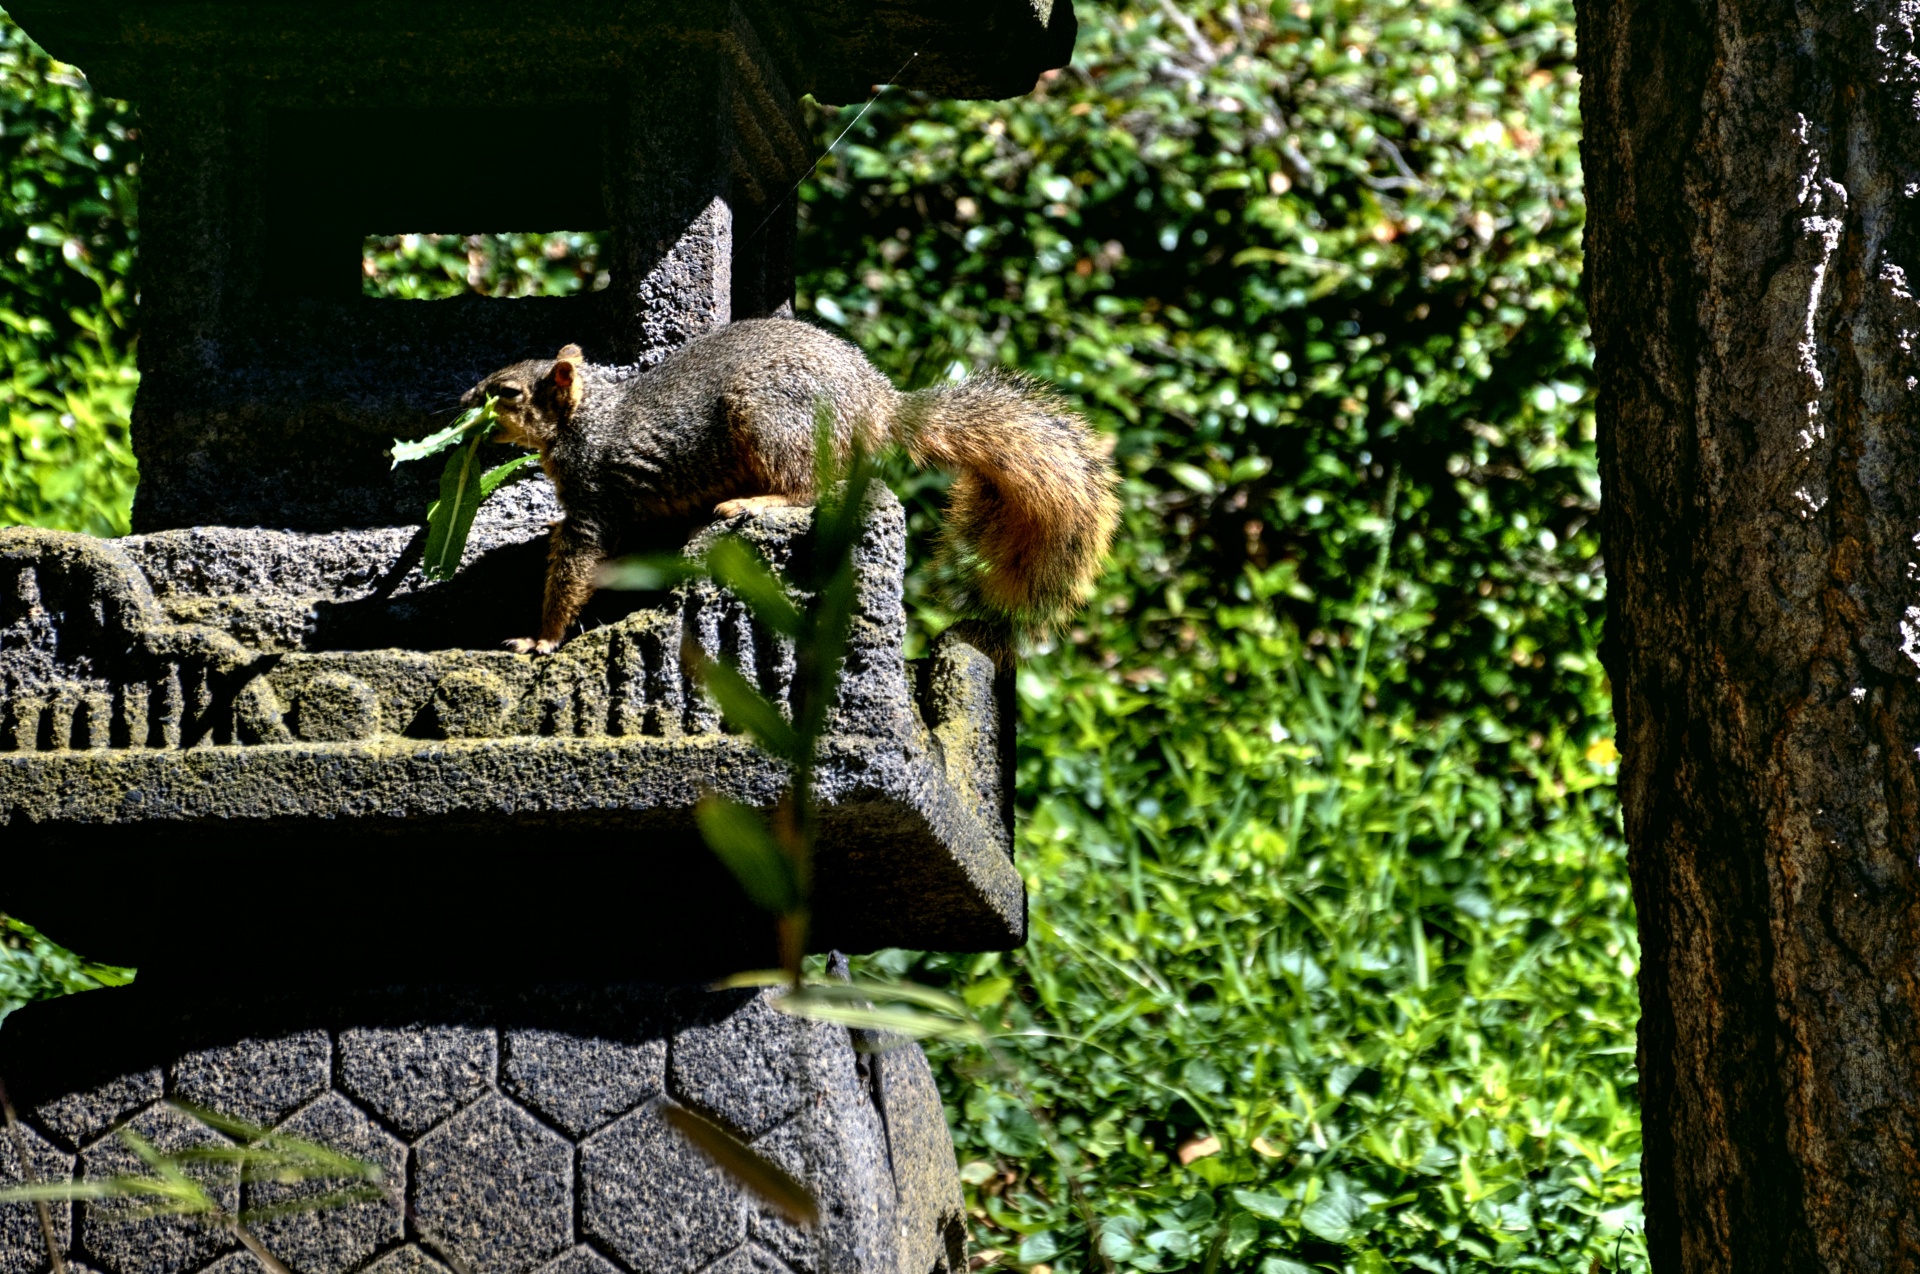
(426, 267)
(350, 193)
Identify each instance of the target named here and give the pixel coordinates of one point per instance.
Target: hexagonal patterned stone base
(522, 1132)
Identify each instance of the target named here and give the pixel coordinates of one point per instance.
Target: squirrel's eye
(506, 392)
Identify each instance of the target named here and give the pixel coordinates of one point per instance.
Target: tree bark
(1753, 171)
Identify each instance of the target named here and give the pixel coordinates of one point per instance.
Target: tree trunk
(1753, 173)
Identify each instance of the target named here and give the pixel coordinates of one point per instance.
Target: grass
(1310, 987)
(66, 456)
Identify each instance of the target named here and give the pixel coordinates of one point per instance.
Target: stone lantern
(390, 887)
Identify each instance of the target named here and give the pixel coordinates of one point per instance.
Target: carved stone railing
(120, 722)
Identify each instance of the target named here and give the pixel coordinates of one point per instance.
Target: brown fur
(1032, 512)
(726, 422)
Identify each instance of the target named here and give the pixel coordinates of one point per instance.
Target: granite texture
(654, 1201)
(581, 1260)
(494, 1187)
(581, 1084)
(539, 1148)
(255, 1083)
(407, 1260)
(22, 1246)
(76, 1117)
(339, 1239)
(415, 1077)
(703, 1074)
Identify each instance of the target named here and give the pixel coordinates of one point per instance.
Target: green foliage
(1282, 253)
(66, 248)
(69, 162)
(465, 483)
(431, 266)
(1361, 917)
(66, 460)
(34, 968)
(1392, 978)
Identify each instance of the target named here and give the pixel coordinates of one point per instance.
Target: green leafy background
(1333, 951)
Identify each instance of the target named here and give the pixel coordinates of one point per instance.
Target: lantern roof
(836, 50)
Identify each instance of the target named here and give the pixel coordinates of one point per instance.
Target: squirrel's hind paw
(754, 503)
(532, 646)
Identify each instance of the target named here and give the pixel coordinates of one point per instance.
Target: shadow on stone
(494, 598)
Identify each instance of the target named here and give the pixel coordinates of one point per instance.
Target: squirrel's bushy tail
(1032, 510)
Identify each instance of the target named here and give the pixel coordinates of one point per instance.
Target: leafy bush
(66, 249)
(416, 267)
(1294, 257)
(66, 460)
(69, 163)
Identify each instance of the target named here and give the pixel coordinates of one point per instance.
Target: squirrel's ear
(566, 365)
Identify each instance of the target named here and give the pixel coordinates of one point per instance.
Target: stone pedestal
(282, 773)
(254, 752)
(520, 1130)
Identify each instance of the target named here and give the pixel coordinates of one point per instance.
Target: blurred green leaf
(647, 574)
(1117, 1235)
(1335, 1217)
(1269, 1206)
(747, 709)
(1012, 1130)
(63, 1191)
(907, 1024)
(897, 1008)
(741, 840)
(1281, 1265)
(739, 566)
(762, 1176)
(265, 1154)
(171, 1189)
(1035, 1248)
(308, 1204)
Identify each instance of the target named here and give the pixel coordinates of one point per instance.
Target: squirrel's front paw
(532, 646)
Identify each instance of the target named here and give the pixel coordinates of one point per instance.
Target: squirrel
(727, 423)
